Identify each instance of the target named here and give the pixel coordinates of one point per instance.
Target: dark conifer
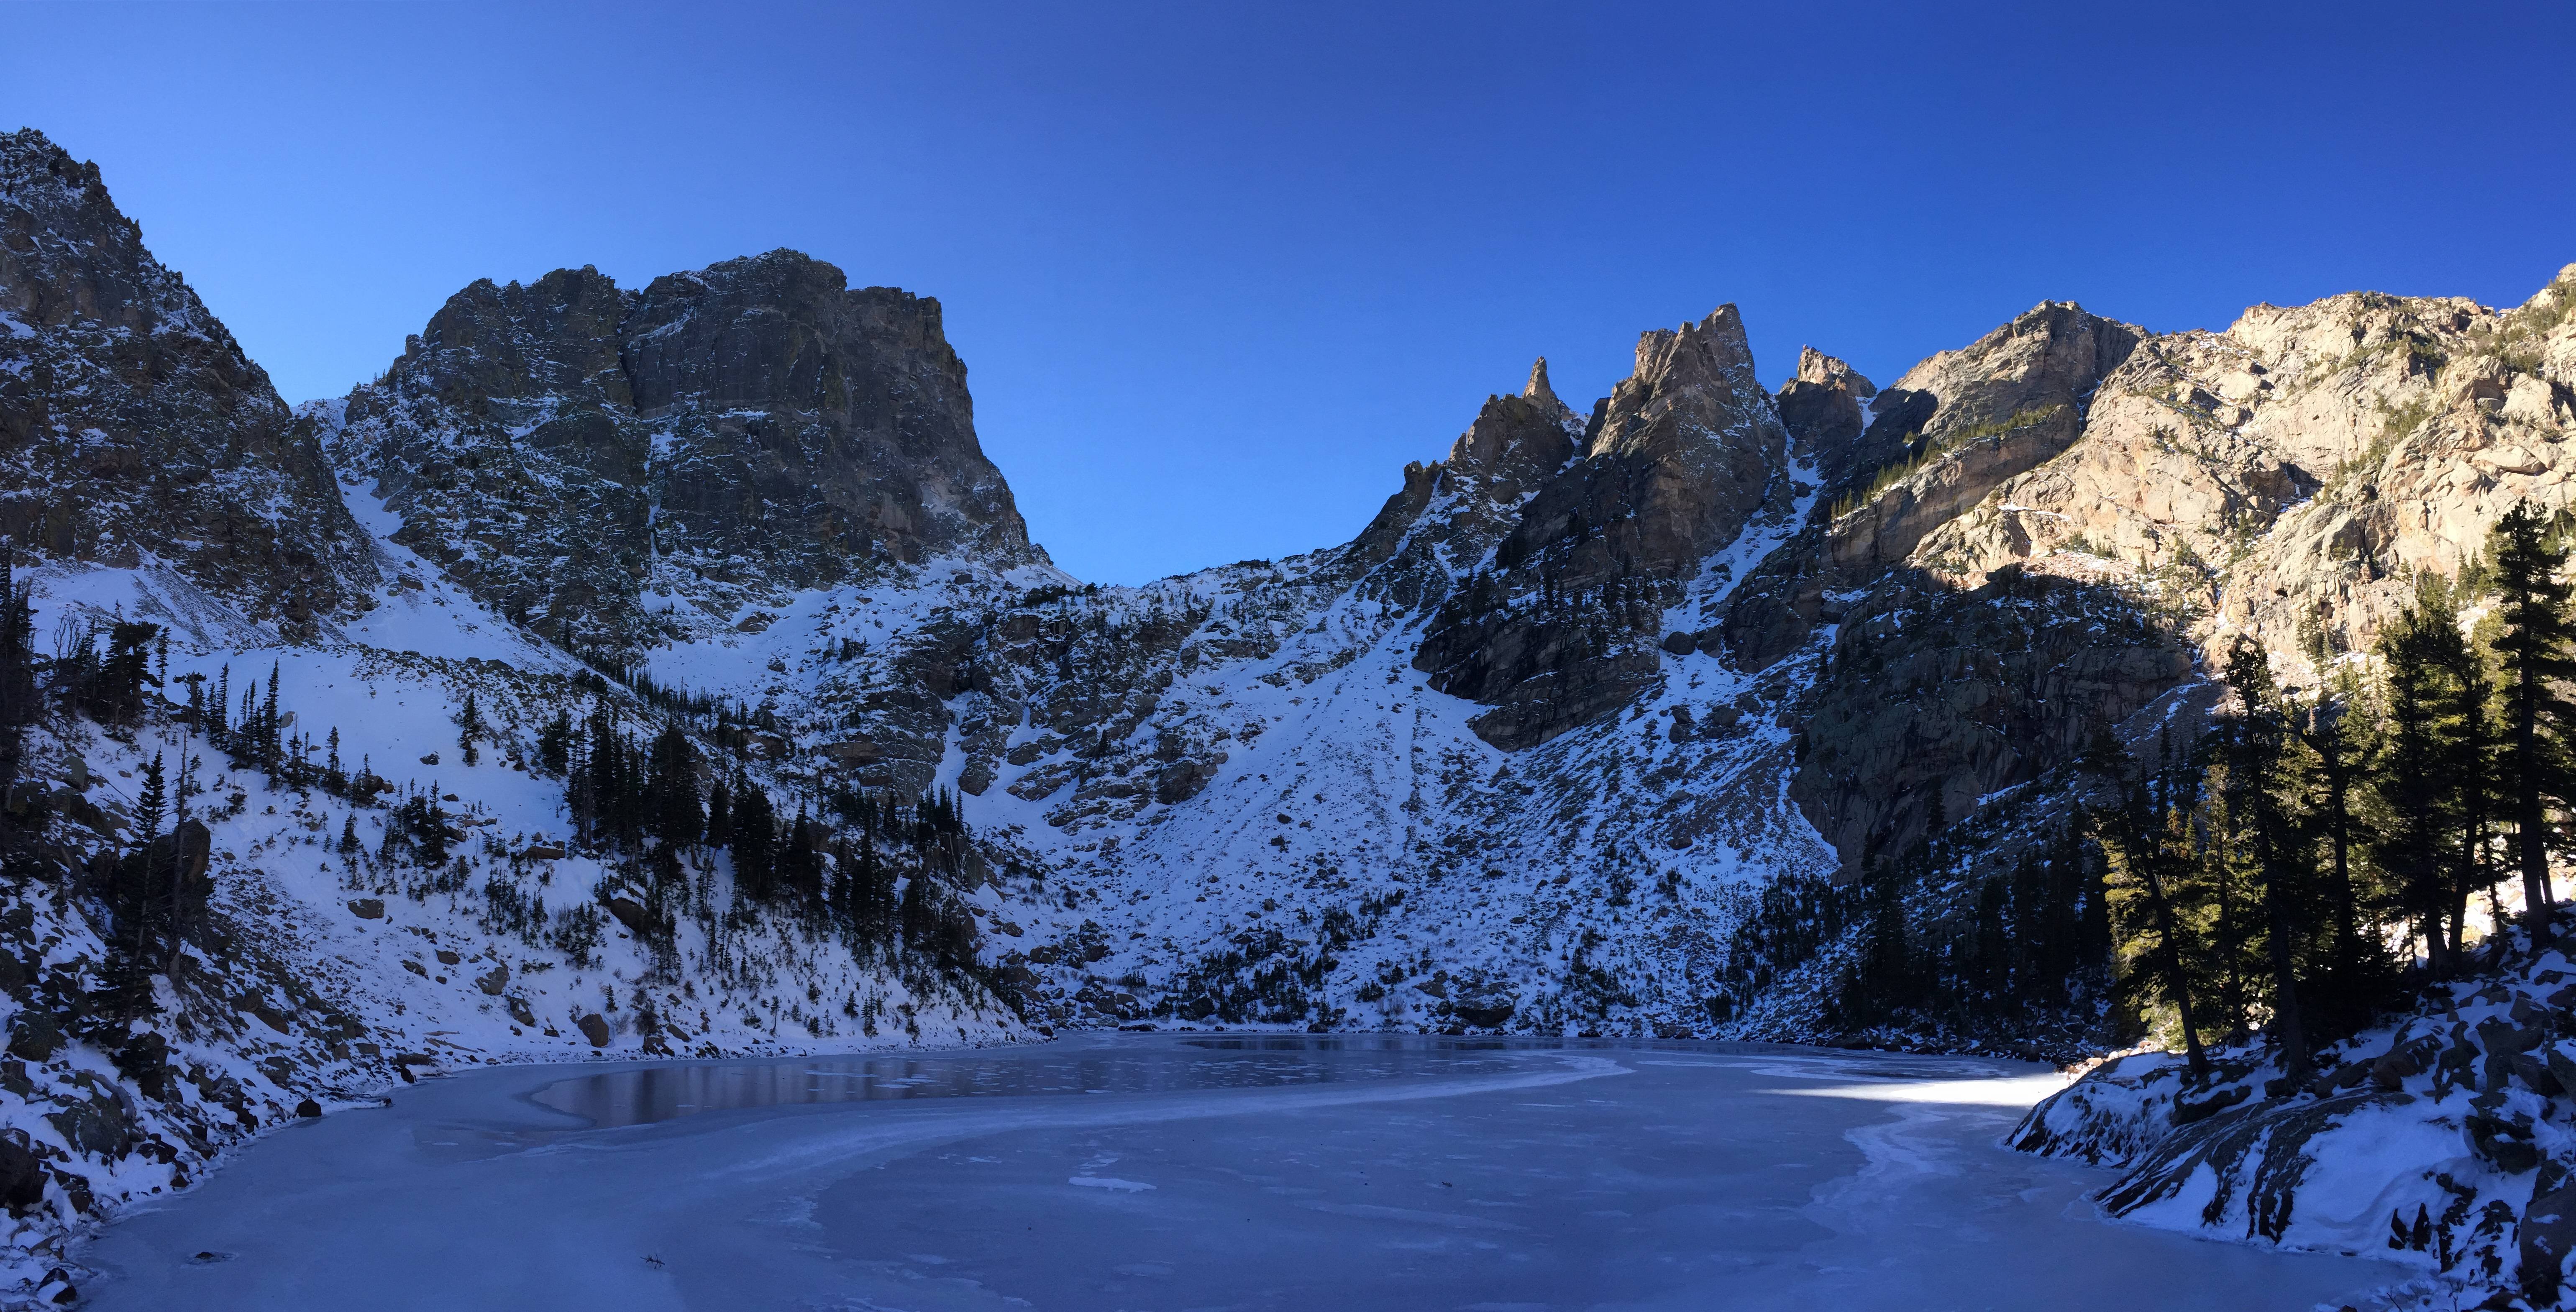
(754, 841)
(2415, 789)
(2533, 650)
(2254, 776)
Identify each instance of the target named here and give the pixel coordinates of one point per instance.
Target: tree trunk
(2169, 944)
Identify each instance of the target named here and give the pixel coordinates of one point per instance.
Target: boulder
(594, 1028)
(2547, 1234)
(631, 914)
(493, 980)
(95, 1124)
(309, 1109)
(35, 1037)
(860, 750)
(22, 1175)
(1182, 780)
(367, 908)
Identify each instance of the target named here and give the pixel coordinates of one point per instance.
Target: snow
(1365, 1174)
(306, 989)
(2361, 1153)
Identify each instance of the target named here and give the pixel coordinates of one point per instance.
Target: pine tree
(2255, 773)
(2473, 763)
(2415, 791)
(672, 813)
(470, 729)
(554, 745)
(2533, 651)
(873, 893)
(2144, 848)
(268, 724)
(754, 841)
(150, 802)
(220, 706)
(2335, 759)
(719, 828)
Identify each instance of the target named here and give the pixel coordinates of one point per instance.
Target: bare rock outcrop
(1679, 458)
(1451, 512)
(134, 427)
(566, 446)
(2290, 475)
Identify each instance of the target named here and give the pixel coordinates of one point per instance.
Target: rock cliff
(617, 467)
(137, 433)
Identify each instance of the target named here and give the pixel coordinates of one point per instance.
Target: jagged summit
(568, 448)
(1815, 366)
(137, 432)
(1537, 389)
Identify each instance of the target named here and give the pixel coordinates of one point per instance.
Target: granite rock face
(135, 429)
(1679, 459)
(1450, 513)
(568, 448)
(2289, 475)
(1825, 410)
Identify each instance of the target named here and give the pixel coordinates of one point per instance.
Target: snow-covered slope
(330, 964)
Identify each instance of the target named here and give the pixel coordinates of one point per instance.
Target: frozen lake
(1162, 1172)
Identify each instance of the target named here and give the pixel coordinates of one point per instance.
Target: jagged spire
(1538, 390)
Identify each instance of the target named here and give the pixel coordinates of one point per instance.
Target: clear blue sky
(1219, 270)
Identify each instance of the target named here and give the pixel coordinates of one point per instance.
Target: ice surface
(1271, 1173)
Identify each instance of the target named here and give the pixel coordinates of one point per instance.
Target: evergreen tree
(2145, 849)
(19, 699)
(2415, 789)
(754, 841)
(2256, 774)
(218, 728)
(872, 893)
(470, 729)
(671, 789)
(150, 802)
(554, 745)
(719, 828)
(2533, 651)
(2335, 758)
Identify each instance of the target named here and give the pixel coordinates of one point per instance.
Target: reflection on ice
(641, 1095)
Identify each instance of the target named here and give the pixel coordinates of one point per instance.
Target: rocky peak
(1537, 389)
(1815, 366)
(137, 430)
(1824, 410)
(1697, 378)
(723, 435)
(555, 336)
(1449, 513)
(1962, 422)
(1683, 455)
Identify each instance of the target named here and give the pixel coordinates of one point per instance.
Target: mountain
(1661, 717)
(141, 437)
(614, 468)
(289, 815)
